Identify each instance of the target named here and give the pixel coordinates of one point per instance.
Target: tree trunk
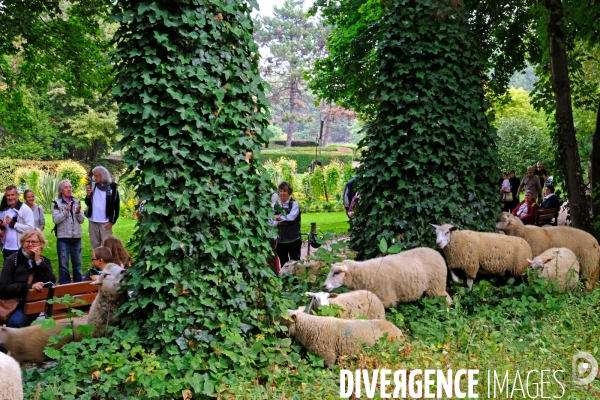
(327, 127)
(595, 167)
(290, 129)
(567, 143)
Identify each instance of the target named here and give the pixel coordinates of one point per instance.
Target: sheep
(330, 337)
(299, 267)
(397, 278)
(483, 252)
(28, 344)
(108, 300)
(557, 264)
(358, 302)
(584, 245)
(11, 383)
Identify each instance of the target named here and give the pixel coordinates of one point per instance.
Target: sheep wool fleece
(330, 337)
(11, 383)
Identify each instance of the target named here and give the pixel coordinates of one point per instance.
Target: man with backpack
(67, 217)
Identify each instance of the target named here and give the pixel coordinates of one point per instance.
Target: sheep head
(110, 279)
(443, 234)
(508, 222)
(335, 279)
(322, 298)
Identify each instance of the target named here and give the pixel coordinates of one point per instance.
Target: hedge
(9, 166)
(295, 143)
(303, 160)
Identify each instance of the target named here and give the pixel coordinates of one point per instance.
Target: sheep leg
(453, 275)
(470, 283)
(448, 298)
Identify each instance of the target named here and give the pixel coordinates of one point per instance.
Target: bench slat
(34, 307)
(33, 295)
(74, 288)
(548, 216)
(88, 297)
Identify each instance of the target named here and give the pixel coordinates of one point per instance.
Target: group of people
(23, 240)
(539, 193)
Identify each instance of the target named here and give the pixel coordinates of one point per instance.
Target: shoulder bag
(8, 307)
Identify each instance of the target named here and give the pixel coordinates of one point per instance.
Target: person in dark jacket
(514, 188)
(15, 278)
(550, 200)
(102, 200)
(287, 220)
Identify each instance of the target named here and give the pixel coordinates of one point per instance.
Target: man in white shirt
(103, 204)
(16, 220)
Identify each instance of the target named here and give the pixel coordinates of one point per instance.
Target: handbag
(8, 306)
(507, 196)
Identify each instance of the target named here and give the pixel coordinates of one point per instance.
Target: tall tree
(430, 153)
(50, 40)
(293, 42)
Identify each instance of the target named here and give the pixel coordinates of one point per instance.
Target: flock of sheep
(562, 254)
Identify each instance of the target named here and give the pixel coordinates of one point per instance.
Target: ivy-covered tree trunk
(595, 169)
(567, 142)
(193, 117)
(431, 154)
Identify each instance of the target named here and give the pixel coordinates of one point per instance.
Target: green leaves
(430, 156)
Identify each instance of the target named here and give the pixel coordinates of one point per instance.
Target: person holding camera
(26, 269)
(67, 216)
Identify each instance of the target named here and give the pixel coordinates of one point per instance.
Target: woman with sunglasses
(26, 269)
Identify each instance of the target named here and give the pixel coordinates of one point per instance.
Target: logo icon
(585, 368)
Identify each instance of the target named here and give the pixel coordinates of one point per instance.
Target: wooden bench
(547, 217)
(37, 302)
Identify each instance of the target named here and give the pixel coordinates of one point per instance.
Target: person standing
(532, 183)
(17, 219)
(287, 220)
(67, 217)
(39, 221)
(514, 188)
(505, 193)
(103, 206)
(539, 172)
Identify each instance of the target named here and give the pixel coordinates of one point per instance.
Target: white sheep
(330, 337)
(481, 252)
(108, 300)
(28, 344)
(11, 383)
(584, 245)
(557, 264)
(397, 278)
(299, 267)
(358, 302)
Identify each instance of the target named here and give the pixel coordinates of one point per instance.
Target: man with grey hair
(103, 205)
(532, 183)
(67, 217)
(16, 219)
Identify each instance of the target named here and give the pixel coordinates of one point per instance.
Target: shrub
(303, 161)
(287, 167)
(332, 178)
(26, 178)
(295, 143)
(48, 190)
(74, 172)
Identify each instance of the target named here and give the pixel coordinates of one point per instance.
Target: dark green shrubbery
(431, 156)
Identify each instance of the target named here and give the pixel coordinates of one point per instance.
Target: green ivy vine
(431, 154)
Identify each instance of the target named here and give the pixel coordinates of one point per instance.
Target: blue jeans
(64, 251)
(19, 320)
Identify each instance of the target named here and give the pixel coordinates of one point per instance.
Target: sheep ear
(434, 226)
(96, 282)
(311, 294)
(547, 261)
(530, 261)
(454, 228)
(332, 295)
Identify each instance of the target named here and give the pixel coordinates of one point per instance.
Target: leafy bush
(26, 178)
(303, 161)
(48, 190)
(295, 143)
(74, 172)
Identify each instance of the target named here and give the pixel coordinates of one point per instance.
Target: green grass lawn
(123, 229)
